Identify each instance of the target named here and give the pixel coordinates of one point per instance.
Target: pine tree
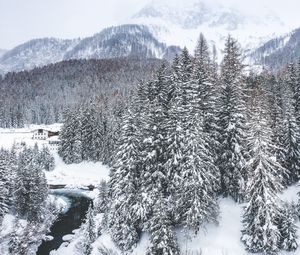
(291, 147)
(296, 95)
(201, 83)
(177, 123)
(288, 228)
(71, 145)
(89, 233)
(154, 177)
(261, 231)
(30, 187)
(163, 240)
(91, 134)
(203, 87)
(46, 159)
(231, 123)
(103, 199)
(290, 132)
(123, 184)
(197, 195)
(5, 183)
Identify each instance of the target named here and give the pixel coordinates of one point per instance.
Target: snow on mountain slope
(37, 52)
(119, 41)
(278, 51)
(152, 31)
(113, 42)
(181, 22)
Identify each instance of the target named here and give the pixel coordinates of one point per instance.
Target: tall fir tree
(231, 123)
(123, 220)
(263, 211)
(288, 228)
(5, 183)
(89, 232)
(163, 240)
(31, 188)
(71, 145)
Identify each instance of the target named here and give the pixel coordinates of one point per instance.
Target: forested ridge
(41, 96)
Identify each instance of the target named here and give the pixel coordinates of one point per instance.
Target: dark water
(67, 221)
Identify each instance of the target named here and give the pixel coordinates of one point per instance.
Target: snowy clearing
(73, 175)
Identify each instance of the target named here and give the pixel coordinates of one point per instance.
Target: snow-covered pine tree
(290, 137)
(297, 94)
(231, 123)
(91, 134)
(177, 121)
(15, 240)
(197, 195)
(88, 232)
(201, 83)
(71, 148)
(30, 187)
(5, 183)
(103, 197)
(261, 231)
(123, 185)
(203, 86)
(46, 159)
(288, 228)
(154, 176)
(292, 82)
(163, 239)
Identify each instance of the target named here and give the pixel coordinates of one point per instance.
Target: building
(43, 134)
(40, 134)
(54, 144)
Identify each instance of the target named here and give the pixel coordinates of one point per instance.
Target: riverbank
(67, 221)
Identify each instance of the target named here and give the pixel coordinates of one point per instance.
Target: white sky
(22, 20)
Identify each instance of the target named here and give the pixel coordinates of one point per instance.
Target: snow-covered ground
(73, 175)
(10, 136)
(221, 239)
(77, 175)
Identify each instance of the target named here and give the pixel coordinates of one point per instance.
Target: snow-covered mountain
(120, 41)
(113, 42)
(34, 53)
(153, 31)
(279, 51)
(180, 22)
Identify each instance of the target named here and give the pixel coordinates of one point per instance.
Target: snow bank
(73, 175)
(218, 239)
(77, 175)
(10, 136)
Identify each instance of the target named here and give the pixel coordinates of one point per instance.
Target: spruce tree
(163, 240)
(123, 186)
(103, 197)
(288, 228)
(91, 134)
(46, 159)
(197, 196)
(261, 231)
(89, 233)
(71, 145)
(5, 183)
(30, 187)
(231, 123)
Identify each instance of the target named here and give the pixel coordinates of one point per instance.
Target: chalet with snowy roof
(43, 134)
